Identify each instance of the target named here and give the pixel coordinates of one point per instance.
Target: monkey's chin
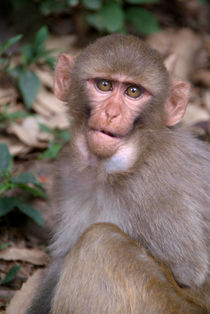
(101, 144)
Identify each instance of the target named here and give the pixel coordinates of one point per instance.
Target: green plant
(7, 117)
(4, 55)
(109, 15)
(34, 53)
(115, 16)
(24, 181)
(60, 137)
(10, 276)
(3, 246)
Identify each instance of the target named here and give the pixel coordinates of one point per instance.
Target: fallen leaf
(15, 146)
(33, 256)
(50, 102)
(206, 99)
(195, 114)
(185, 44)
(8, 96)
(66, 42)
(30, 133)
(202, 76)
(46, 77)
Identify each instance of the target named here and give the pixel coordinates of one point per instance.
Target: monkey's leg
(42, 301)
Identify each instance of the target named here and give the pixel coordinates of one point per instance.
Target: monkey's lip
(103, 143)
(106, 133)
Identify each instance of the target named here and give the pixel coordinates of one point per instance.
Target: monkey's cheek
(102, 145)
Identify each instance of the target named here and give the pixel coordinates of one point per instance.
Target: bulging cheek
(101, 144)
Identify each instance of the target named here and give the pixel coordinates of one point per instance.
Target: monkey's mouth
(102, 142)
(110, 134)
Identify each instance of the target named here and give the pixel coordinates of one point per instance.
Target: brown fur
(155, 187)
(108, 273)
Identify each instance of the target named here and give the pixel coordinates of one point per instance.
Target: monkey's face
(124, 86)
(115, 103)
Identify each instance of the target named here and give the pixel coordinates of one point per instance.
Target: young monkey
(128, 164)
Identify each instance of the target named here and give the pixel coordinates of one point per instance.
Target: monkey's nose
(111, 116)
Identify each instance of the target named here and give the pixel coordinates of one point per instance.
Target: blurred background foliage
(25, 26)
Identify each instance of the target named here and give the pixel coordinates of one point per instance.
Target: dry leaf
(206, 100)
(50, 102)
(60, 121)
(185, 44)
(195, 114)
(46, 77)
(8, 96)
(62, 44)
(202, 76)
(15, 146)
(33, 256)
(29, 132)
(23, 298)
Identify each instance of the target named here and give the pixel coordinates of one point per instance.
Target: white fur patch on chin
(123, 159)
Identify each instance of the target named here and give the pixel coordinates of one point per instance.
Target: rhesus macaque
(106, 272)
(128, 164)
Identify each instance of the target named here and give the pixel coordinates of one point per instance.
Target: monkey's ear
(62, 78)
(176, 105)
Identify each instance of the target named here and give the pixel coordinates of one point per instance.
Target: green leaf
(31, 212)
(143, 21)
(45, 128)
(72, 3)
(95, 20)
(40, 37)
(7, 204)
(10, 42)
(142, 1)
(50, 61)
(5, 159)
(10, 276)
(92, 4)
(4, 245)
(29, 84)
(17, 115)
(26, 177)
(50, 6)
(36, 192)
(113, 16)
(51, 152)
(27, 56)
(64, 135)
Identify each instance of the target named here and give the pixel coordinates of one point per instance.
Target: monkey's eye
(134, 91)
(103, 85)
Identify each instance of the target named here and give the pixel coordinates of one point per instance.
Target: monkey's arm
(42, 302)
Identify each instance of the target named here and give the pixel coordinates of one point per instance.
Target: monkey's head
(116, 86)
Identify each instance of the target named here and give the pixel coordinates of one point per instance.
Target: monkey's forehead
(123, 55)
